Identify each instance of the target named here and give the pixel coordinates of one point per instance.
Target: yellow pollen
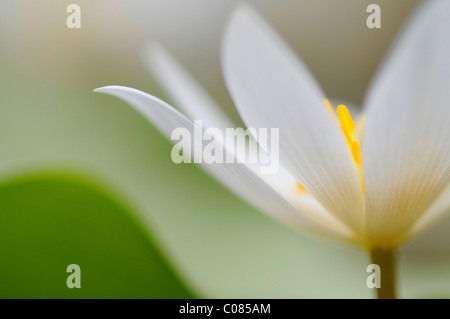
(347, 124)
(348, 128)
(300, 188)
(356, 152)
(351, 133)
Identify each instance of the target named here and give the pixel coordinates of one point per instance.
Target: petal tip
(103, 89)
(244, 22)
(115, 90)
(152, 52)
(98, 90)
(244, 13)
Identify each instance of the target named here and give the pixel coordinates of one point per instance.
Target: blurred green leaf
(50, 221)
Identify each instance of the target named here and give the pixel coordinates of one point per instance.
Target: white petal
(406, 146)
(309, 206)
(435, 213)
(272, 89)
(188, 94)
(237, 177)
(195, 101)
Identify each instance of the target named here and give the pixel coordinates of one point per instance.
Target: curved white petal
(236, 176)
(188, 94)
(195, 101)
(406, 146)
(192, 98)
(272, 89)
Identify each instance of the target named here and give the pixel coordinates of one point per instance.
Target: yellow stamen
(300, 188)
(348, 128)
(347, 124)
(352, 134)
(356, 152)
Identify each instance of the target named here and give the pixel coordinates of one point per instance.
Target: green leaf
(48, 222)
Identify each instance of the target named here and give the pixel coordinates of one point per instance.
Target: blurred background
(85, 180)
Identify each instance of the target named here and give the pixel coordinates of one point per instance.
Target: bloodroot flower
(375, 181)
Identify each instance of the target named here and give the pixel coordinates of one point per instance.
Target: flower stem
(385, 258)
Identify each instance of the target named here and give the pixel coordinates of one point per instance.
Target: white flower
(375, 183)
